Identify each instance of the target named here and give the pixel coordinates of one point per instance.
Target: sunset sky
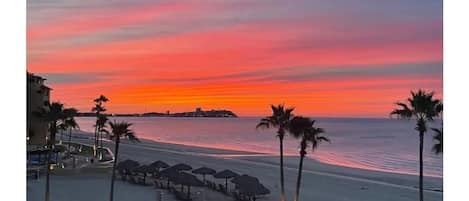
(351, 58)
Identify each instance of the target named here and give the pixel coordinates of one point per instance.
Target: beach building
(38, 96)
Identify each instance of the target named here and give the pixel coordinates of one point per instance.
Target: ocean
(388, 145)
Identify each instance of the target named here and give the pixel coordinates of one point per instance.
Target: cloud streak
(241, 55)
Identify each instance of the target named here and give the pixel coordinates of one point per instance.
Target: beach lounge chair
(236, 196)
(222, 188)
(182, 196)
(141, 181)
(132, 180)
(214, 186)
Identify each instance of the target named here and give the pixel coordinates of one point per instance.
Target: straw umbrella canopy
(189, 180)
(253, 188)
(244, 179)
(249, 186)
(127, 165)
(169, 174)
(226, 174)
(181, 167)
(159, 164)
(144, 169)
(204, 171)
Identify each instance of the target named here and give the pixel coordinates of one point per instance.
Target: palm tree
(101, 124)
(70, 123)
(98, 109)
(422, 107)
(53, 114)
(119, 130)
(303, 128)
(438, 147)
(62, 127)
(101, 129)
(279, 119)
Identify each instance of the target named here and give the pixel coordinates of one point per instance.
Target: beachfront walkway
(90, 187)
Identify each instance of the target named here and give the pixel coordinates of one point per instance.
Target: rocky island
(197, 113)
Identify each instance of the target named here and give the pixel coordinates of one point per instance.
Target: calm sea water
(378, 144)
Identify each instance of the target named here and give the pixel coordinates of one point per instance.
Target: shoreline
(320, 181)
(290, 162)
(246, 155)
(192, 149)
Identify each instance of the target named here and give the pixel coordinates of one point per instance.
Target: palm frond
(404, 112)
(122, 129)
(264, 123)
(438, 137)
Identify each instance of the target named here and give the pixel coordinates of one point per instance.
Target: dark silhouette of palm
(53, 114)
(70, 123)
(98, 109)
(438, 137)
(101, 124)
(303, 128)
(422, 107)
(62, 127)
(119, 130)
(279, 119)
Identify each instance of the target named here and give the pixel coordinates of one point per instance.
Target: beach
(320, 181)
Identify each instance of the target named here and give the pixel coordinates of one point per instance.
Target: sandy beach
(321, 181)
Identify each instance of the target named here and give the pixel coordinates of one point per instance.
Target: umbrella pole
(182, 188)
(203, 177)
(226, 184)
(188, 192)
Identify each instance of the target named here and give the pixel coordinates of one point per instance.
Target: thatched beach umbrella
(181, 167)
(144, 169)
(204, 171)
(244, 179)
(189, 180)
(226, 174)
(127, 165)
(169, 174)
(159, 164)
(252, 189)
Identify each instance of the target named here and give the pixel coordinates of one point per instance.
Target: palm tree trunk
(96, 130)
(51, 143)
(298, 180)
(95, 137)
(101, 137)
(69, 139)
(114, 170)
(282, 180)
(421, 166)
(47, 176)
(97, 144)
(226, 185)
